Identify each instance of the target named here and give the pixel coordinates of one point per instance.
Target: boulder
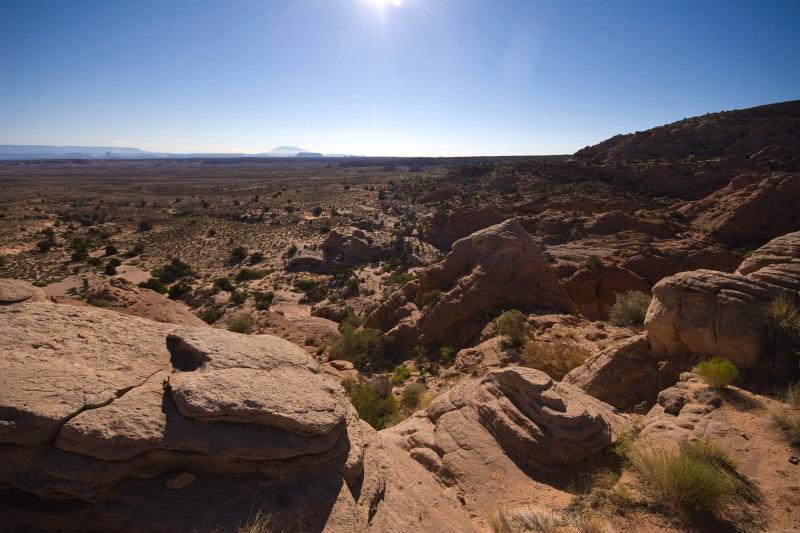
(445, 228)
(487, 436)
(111, 422)
(13, 291)
(499, 267)
(706, 313)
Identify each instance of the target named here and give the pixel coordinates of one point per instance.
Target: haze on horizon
(382, 77)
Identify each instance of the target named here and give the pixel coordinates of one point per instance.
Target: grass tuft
(629, 309)
(718, 372)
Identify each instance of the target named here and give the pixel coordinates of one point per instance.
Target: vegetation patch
(718, 372)
(629, 309)
(374, 401)
(555, 359)
(512, 325)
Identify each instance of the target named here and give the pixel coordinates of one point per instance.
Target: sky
(383, 77)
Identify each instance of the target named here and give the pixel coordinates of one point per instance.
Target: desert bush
(431, 297)
(374, 402)
(555, 359)
(717, 372)
(154, 284)
(45, 245)
(411, 397)
(144, 225)
(313, 290)
(111, 250)
(179, 290)
(401, 373)
(366, 348)
(255, 258)
(400, 278)
(211, 314)
(237, 255)
(138, 249)
(238, 298)
(291, 251)
(784, 334)
(697, 477)
(594, 263)
(513, 326)
(787, 417)
(111, 266)
(172, 271)
(629, 308)
(240, 323)
(224, 284)
(263, 299)
(247, 274)
(447, 355)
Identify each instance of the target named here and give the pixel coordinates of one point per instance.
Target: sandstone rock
(101, 412)
(777, 262)
(14, 291)
(751, 209)
(446, 228)
(123, 296)
(484, 437)
(499, 267)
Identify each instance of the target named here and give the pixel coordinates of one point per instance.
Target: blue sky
(426, 77)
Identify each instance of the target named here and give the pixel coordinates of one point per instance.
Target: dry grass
(556, 359)
(787, 415)
(530, 520)
(717, 372)
(629, 309)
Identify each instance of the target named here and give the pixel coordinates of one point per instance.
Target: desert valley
(597, 342)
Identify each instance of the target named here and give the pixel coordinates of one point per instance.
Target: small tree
(111, 266)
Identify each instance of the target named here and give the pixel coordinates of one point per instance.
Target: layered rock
(499, 267)
(344, 250)
(707, 313)
(113, 422)
(486, 437)
(123, 296)
(751, 209)
(445, 228)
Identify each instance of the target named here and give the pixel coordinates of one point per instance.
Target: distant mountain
(282, 151)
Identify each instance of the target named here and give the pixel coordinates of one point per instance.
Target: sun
(384, 3)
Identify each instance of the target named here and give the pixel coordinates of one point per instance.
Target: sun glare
(384, 3)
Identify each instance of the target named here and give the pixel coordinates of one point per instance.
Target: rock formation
(485, 437)
(112, 422)
(499, 267)
(444, 228)
(707, 313)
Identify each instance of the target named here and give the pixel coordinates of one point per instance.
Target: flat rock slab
(14, 291)
(296, 401)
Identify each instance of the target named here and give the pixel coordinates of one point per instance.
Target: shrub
(237, 255)
(291, 251)
(111, 250)
(555, 359)
(154, 284)
(144, 225)
(138, 249)
(401, 373)
(238, 298)
(447, 355)
(374, 402)
(412, 395)
(431, 297)
(79, 255)
(111, 266)
(255, 258)
(400, 278)
(172, 271)
(224, 284)
(717, 372)
(240, 323)
(787, 417)
(594, 263)
(179, 290)
(211, 314)
(313, 290)
(699, 476)
(513, 326)
(247, 274)
(263, 299)
(784, 335)
(629, 308)
(45, 245)
(364, 347)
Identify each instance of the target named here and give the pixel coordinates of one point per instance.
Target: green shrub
(401, 373)
(263, 299)
(240, 323)
(111, 250)
(224, 284)
(211, 314)
(154, 284)
(238, 298)
(696, 477)
(447, 355)
(366, 348)
(717, 372)
(291, 251)
(555, 359)
(431, 297)
(247, 274)
(111, 266)
(400, 278)
(172, 271)
(594, 263)
(784, 335)
(313, 290)
(374, 402)
(179, 290)
(411, 397)
(513, 326)
(629, 309)
(237, 255)
(255, 258)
